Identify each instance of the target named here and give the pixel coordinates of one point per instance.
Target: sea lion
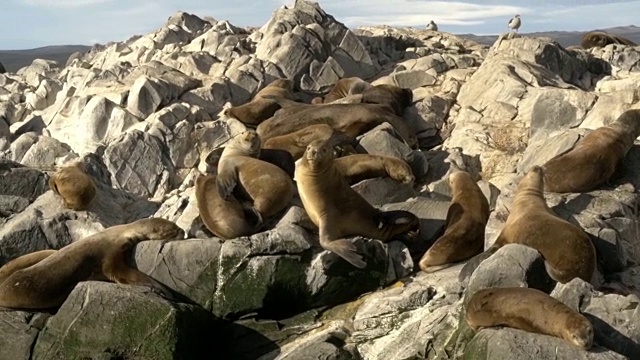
(277, 157)
(466, 221)
(339, 211)
(343, 88)
(567, 250)
(529, 310)
(44, 279)
(350, 119)
(259, 109)
(74, 185)
(296, 142)
(602, 39)
(267, 186)
(595, 158)
(226, 219)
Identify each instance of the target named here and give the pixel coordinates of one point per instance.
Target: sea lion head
(213, 159)
(282, 83)
(247, 142)
(319, 155)
(396, 97)
(160, 229)
(458, 176)
(629, 121)
(579, 331)
(532, 180)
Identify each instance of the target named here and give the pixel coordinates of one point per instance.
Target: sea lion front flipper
(346, 250)
(342, 247)
(226, 181)
(283, 102)
(136, 277)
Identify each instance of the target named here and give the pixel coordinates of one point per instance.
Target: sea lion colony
(252, 181)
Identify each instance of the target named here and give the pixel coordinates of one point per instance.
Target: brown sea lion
(466, 221)
(567, 250)
(226, 219)
(259, 109)
(595, 158)
(529, 310)
(339, 211)
(44, 279)
(277, 157)
(350, 119)
(296, 142)
(343, 88)
(602, 39)
(75, 186)
(268, 187)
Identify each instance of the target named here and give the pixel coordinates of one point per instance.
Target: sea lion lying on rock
(44, 279)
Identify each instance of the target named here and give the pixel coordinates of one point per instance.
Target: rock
(103, 320)
(384, 190)
(21, 181)
(125, 158)
(19, 332)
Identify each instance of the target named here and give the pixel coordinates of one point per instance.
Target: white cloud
(64, 3)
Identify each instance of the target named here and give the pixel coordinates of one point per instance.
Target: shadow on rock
(607, 336)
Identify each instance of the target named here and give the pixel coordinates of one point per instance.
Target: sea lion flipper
(345, 249)
(226, 181)
(283, 102)
(131, 276)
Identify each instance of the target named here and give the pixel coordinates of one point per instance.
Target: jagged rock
(277, 265)
(381, 191)
(39, 70)
(100, 320)
(40, 151)
(85, 123)
(19, 332)
(17, 180)
(315, 50)
(139, 164)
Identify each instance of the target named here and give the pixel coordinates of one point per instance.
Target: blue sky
(34, 23)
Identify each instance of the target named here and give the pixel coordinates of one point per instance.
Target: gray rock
(102, 320)
(139, 164)
(381, 191)
(25, 182)
(19, 332)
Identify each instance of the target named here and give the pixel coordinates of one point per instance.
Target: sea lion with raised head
(595, 158)
(74, 185)
(529, 310)
(465, 224)
(602, 39)
(343, 88)
(296, 142)
(259, 109)
(267, 186)
(567, 250)
(339, 211)
(44, 279)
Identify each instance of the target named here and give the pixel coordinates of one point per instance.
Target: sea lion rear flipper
(471, 265)
(283, 102)
(346, 250)
(226, 181)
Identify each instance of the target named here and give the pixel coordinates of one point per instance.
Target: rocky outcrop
(142, 115)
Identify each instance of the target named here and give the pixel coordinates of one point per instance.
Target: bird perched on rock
(432, 26)
(515, 23)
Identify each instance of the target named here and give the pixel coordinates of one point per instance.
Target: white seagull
(432, 26)
(515, 23)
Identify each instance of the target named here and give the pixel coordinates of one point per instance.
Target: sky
(34, 23)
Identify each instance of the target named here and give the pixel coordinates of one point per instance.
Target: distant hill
(13, 60)
(565, 38)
